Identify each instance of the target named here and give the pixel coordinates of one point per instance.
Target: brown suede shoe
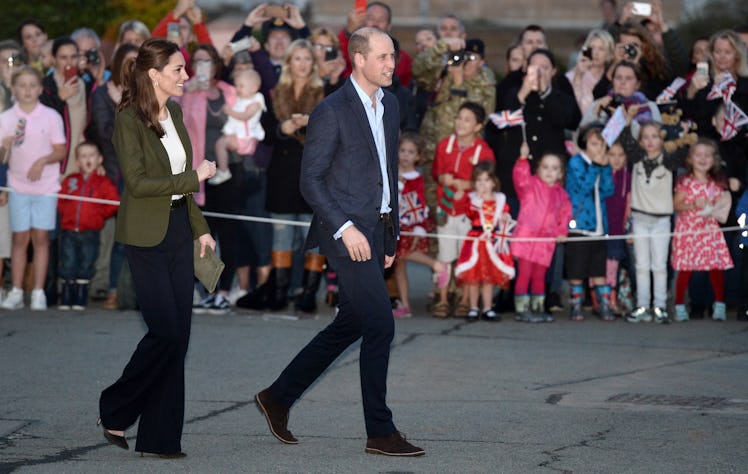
(276, 416)
(393, 445)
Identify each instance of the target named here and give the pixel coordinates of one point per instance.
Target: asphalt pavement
(482, 397)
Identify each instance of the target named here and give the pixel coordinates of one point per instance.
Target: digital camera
(92, 56)
(631, 50)
(455, 58)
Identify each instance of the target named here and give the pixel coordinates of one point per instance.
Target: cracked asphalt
(483, 397)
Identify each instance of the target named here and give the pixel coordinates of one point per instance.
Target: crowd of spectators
(652, 99)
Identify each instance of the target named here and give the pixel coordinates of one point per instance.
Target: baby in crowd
(242, 131)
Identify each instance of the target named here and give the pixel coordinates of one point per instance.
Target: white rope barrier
(267, 220)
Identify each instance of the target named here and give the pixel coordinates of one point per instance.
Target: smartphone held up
(70, 72)
(277, 11)
(641, 8)
(360, 6)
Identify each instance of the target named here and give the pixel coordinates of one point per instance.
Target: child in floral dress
(701, 201)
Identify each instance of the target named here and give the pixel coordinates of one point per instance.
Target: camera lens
(92, 56)
(631, 50)
(456, 58)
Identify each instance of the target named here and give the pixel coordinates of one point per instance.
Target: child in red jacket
(81, 222)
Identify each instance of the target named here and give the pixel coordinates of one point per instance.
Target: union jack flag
(733, 120)
(669, 92)
(502, 234)
(412, 210)
(724, 89)
(507, 118)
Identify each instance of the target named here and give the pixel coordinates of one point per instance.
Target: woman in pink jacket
(544, 211)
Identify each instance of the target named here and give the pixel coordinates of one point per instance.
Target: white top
(250, 128)
(174, 148)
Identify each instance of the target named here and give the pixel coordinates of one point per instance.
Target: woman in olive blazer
(157, 221)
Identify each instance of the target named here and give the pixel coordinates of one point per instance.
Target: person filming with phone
(68, 94)
(597, 52)
(329, 58)
(728, 56)
(658, 65)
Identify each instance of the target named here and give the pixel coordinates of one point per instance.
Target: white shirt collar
(364, 96)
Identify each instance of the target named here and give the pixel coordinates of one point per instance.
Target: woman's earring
(155, 83)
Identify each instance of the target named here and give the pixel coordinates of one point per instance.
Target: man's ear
(358, 60)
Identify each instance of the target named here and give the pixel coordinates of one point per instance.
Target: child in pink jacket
(544, 211)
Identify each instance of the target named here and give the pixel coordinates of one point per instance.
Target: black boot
(306, 302)
(66, 295)
(259, 299)
(279, 297)
(80, 299)
(742, 313)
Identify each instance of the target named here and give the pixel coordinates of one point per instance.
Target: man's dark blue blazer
(340, 174)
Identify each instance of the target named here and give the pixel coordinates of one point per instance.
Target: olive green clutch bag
(208, 268)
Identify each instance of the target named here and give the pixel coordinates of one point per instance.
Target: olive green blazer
(144, 210)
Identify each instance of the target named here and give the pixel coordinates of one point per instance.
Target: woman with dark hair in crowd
(635, 45)
(549, 108)
(205, 100)
(104, 103)
(157, 221)
(514, 59)
(192, 28)
(67, 93)
(625, 92)
(32, 36)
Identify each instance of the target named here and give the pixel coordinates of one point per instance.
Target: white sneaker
(14, 299)
(220, 177)
(235, 294)
(38, 300)
(220, 305)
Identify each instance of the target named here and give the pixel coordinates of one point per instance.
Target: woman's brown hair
(655, 64)
(138, 91)
(215, 58)
(118, 61)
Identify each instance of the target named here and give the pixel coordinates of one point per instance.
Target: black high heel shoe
(178, 455)
(114, 439)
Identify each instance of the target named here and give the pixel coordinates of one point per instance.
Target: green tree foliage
(59, 17)
(149, 12)
(714, 16)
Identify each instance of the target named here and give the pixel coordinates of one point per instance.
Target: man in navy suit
(349, 178)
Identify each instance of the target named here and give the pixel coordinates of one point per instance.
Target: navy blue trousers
(364, 312)
(152, 384)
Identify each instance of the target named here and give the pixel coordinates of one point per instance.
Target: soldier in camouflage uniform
(466, 80)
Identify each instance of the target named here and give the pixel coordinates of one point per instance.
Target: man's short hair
(537, 28)
(359, 42)
(63, 41)
(383, 5)
(452, 16)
